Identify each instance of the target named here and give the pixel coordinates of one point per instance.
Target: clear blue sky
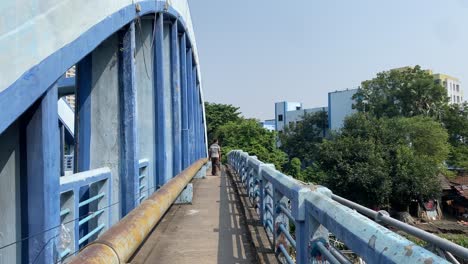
(257, 52)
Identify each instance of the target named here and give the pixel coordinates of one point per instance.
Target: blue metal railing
(91, 213)
(143, 180)
(316, 213)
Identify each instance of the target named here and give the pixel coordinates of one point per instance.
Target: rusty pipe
(120, 242)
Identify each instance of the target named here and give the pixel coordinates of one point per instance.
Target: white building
(268, 124)
(340, 105)
(287, 113)
(452, 85)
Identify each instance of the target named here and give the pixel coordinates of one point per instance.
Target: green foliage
(302, 139)
(218, 115)
(388, 160)
(249, 136)
(403, 92)
(455, 119)
(356, 169)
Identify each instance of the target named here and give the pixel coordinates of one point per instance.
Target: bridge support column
(190, 112)
(129, 170)
(176, 98)
(184, 101)
(43, 168)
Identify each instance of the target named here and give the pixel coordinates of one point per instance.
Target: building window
(298, 108)
(458, 87)
(280, 118)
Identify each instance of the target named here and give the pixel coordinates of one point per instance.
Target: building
(280, 113)
(268, 124)
(452, 85)
(340, 105)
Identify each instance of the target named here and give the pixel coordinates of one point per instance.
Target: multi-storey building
(452, 85)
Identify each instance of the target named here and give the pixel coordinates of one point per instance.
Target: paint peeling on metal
(372, 241)
(409, 250)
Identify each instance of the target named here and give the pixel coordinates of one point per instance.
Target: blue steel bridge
(103, 182)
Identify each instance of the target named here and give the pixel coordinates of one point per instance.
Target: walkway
(211, 230)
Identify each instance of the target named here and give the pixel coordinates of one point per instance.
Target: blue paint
(176, 100)
(84, 80)
(190, 105)
(82, 181)
(194, 110)
(43, 173)
(66, 86)
(184, 101)
(129, 169)
(161, 169)
(21, 94)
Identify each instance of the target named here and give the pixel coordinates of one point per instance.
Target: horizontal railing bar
(89, 217)
(142, 187)
(269, 225)
(141, 177)
(286, 233)
(142, 197)
(92, 199)
(328, 255)
(286, 211)
(286, 254)
(90, 234)
(64, 212)
(269, 208)
(64, 253)
(339, 256)
(269, 193)
(428, 237)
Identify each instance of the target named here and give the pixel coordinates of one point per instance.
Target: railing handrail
(83, 178)
(301, 195)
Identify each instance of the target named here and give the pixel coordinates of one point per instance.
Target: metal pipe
(339, 256)
(382, 218)
(121, 241)
(328, 255)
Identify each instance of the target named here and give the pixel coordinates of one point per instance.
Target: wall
(10, 207)
(339, 106)
(105, 126)
(145, 97)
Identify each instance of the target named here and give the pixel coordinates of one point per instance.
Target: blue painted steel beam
(194, 109)
(190, 104)
(129, 169)
(21, 94)
(43, 169)
(176, 99)
(83, 114)
(184, 101)
(161, 169)
(66, 86)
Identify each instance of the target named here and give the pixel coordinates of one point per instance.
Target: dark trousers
(214, 166)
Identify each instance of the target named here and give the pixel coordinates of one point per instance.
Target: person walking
(215, 157)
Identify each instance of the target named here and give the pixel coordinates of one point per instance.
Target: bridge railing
(316, 213)
(85, 208)
(143, 180)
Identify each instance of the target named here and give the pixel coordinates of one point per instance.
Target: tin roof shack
(455, 201)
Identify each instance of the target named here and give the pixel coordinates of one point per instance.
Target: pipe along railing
(119, 242)
(316, 213)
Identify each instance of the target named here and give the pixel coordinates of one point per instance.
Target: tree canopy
(249, 136)
(385, 161)
(405, 92)
(218, 115)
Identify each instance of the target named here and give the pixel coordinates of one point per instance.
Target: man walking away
(215, 156)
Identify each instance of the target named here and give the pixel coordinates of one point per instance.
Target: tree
(455, 119)
(218, 115)
(385, 161)
(249, 136)
(302, 139)
(402, 92)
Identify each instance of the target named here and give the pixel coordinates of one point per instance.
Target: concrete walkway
(211, 230)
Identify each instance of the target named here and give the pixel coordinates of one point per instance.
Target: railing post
(314, 232)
